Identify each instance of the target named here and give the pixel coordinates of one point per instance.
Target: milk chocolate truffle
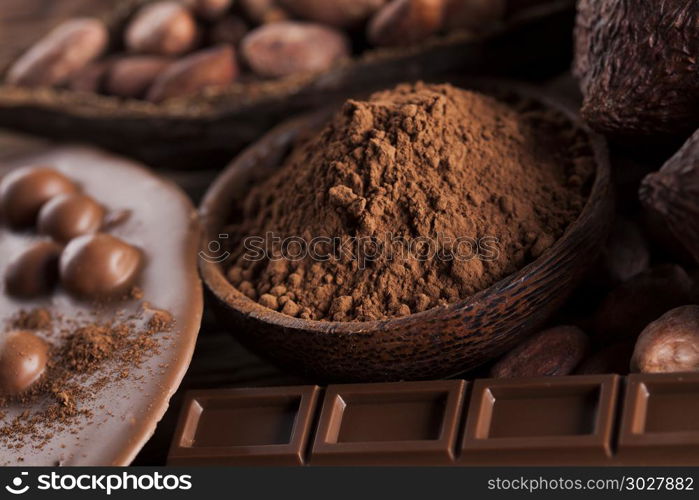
(99, 266)
(24, 191)
(34, 272)
(68, 216)
(22, 362)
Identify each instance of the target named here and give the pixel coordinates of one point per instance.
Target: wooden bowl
(209, 128)
(436, 343)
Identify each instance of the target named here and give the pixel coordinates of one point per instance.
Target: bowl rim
(214, 277)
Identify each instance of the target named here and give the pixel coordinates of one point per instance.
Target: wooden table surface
(219, 361)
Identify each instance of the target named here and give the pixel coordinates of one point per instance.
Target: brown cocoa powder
(422, 165)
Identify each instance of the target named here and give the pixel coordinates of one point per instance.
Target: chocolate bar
(547, 420)
(267, 426)
(660, 424)
(402, 423)
(536, 421)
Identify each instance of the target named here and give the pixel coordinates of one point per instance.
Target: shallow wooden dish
(436, 343)
(207, 129)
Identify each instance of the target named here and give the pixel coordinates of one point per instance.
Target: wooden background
(219, 361)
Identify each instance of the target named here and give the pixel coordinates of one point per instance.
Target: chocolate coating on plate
(121, 413)
(99, 266)
(24, 191)
(68, 216)
(33, 272)
(22, 362)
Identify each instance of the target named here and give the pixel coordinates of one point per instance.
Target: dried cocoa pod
(61, 53)
(628, 309)
(286, 48)
(161, 28)
(637, 65)
(475, 15)
(669, 344)
(671, 196)
(405, 22)
(338, 13)
(131, 77)
(215, 67)
(611, 359)
(228, 30)
(553, 352)
(626, 252)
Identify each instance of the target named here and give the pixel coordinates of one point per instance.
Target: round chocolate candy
(24, 191)
(99, 266)
(68, 216)
(22, 362)
(34, 272)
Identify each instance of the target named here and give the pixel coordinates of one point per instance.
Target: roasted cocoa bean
(669, 344)
(556, 351)
(281, 49)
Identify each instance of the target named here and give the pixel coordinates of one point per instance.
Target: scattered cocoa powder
(85, 357)
(433, 192)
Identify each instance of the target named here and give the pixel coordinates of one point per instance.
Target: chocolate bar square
(405, 423)
(261, 426)
(540, 421)
(660, 420)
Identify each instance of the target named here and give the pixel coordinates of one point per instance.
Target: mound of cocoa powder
(418, 197)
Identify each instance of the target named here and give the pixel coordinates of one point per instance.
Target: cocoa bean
(281, 49)
(131, 77)
(228, 30)
(263, 11)
(611, 359)
(338, 13)
(556, 351)
(214, 67)
(628, 309)
(405, 22)
(90, 79)
(61, 53)
(626, 252)
(669, 344)
(475, 15)
(209, 9)
(161, 28)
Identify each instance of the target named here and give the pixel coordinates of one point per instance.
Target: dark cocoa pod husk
(631, 306)
(211, 127)
(656, 50)
(553, 352)
(671, 197)
(626, 252)
(337, 13)
(637, 65)
(669, 344)
(611, 359)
